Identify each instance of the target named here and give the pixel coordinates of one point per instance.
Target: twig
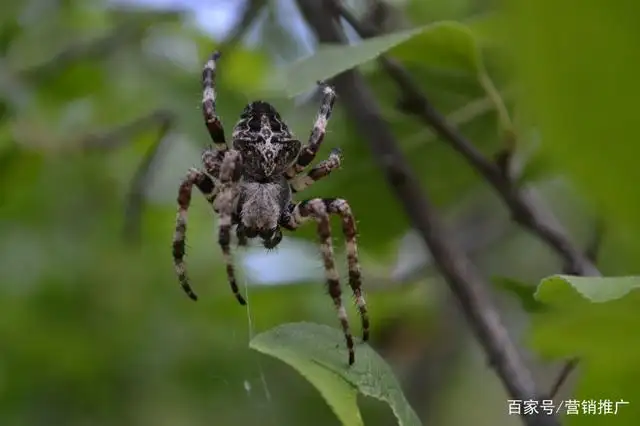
(525, 210)
(461, 275)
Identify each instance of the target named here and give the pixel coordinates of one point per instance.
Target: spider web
(251, 330)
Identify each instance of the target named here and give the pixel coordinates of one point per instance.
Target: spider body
(267, 148)
(251, 184)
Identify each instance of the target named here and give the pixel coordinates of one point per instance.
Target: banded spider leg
(320, 210)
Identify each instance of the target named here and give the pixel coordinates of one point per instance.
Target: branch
(463, 278)
(525, 209)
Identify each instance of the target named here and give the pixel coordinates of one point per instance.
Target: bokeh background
(94, 328)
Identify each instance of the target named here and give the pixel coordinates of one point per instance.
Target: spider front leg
(309, 151)
(320, 210)
(319, 171)
(230, 173)
(206, 185)
(214, 125)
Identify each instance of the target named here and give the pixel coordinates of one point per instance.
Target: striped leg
(319, 171)
(214, 125)
(320, 210)
(230, 172)
(341, 208)
(207, 187)
(309, 151)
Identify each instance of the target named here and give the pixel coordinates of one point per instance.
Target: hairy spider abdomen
(262, 204)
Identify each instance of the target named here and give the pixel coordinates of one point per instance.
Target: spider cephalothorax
(251, 185)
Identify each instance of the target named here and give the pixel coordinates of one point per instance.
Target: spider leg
(309, 151)
(320, 210)
(230, 173)
(214, 125)
(206, 185)
(319, 171)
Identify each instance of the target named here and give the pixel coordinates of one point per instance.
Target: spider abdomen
(263, 203)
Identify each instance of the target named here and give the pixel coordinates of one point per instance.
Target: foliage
(95, 330)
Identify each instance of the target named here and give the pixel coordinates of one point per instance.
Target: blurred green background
(94, 328)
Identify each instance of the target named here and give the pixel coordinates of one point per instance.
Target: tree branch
(461, 275)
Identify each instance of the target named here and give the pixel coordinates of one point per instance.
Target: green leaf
(318, 353)
(595, 319)
(579, 67)
(524, 292)
(443, 44)
(595, 289)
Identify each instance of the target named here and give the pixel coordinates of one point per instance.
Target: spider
(250, 186)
